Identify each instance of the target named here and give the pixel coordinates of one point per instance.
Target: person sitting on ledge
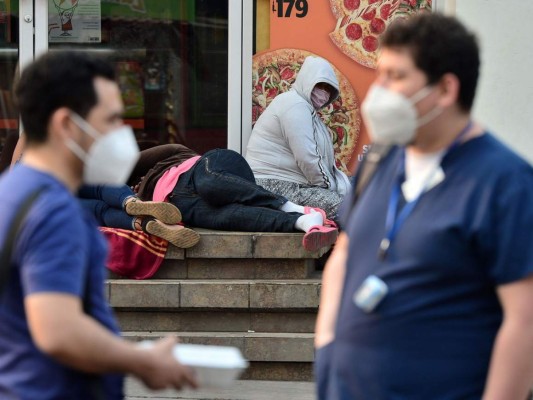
(290, 149)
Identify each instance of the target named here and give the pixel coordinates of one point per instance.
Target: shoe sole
(315, 240)
(164, 212)
(179, 237)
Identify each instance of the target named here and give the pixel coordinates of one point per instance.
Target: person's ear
(60, 125)
(449, 87)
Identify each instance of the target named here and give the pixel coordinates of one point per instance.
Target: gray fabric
(305, 195)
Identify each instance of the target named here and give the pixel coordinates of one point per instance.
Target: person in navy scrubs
(428, 292)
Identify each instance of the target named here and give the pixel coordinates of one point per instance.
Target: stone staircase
(256, 291)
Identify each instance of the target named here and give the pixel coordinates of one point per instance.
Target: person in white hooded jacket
(290, 150)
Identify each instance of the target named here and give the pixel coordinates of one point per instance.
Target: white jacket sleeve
(297, 128)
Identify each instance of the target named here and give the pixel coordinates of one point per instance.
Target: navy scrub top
(431, 337)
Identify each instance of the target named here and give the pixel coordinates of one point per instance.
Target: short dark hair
(439, 45)
(55, 80)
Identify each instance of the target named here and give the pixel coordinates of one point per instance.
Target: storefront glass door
(171, 57)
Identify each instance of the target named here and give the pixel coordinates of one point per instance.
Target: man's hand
(162, 370)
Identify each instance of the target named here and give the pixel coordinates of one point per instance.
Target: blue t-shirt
(431, 337)
(58, 247)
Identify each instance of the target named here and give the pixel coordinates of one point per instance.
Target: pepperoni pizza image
(273, 72)
(361, 22)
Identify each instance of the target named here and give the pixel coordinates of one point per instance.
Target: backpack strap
(5, 253)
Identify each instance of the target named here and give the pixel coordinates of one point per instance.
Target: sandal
(164, 212)
(319, 236)
(178, 235)
(327, 222)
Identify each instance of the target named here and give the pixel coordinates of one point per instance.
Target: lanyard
(393, 222)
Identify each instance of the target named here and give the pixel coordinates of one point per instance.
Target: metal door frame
(33, 41)
(240, 38)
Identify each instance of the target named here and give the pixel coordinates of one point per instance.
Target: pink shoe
(319, 236)
(327, 222)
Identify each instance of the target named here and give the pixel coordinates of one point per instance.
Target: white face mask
(391, 118)
(319, 97)
(111, 157)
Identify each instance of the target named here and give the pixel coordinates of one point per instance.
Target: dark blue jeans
(220, 192)
(105, 203)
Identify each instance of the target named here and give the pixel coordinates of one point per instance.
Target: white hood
(315, 70)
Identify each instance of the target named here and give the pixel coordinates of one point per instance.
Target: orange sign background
(312, 33)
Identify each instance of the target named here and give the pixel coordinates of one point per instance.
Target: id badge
(370, 293)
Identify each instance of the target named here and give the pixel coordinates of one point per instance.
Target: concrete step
(257, 291)
(277, 347)
(224, 244)
(217, 321)
(240, 390)
(272, 356)
(273, 295)
(234, 268)
(240, 255)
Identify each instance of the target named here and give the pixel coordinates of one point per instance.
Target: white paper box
(215, 366)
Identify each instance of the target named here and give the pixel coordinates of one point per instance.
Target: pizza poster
(345, 33)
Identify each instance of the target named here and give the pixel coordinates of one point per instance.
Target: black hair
(439, 45)
(55, 80)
